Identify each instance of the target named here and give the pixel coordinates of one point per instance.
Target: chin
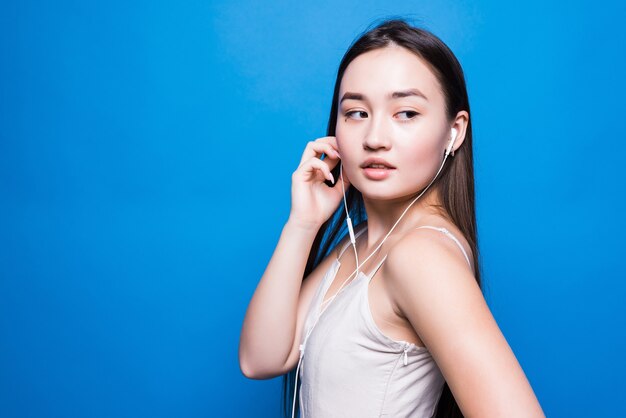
(379, 193)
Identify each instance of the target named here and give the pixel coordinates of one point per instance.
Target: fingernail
(332, 179)
(337, 154)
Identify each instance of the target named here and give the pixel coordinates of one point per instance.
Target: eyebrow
(395, 95)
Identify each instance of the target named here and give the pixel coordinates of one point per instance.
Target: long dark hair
(454, 185)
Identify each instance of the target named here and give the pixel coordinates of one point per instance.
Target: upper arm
(437, 292)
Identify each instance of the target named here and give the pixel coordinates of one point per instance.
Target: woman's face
(408, 130)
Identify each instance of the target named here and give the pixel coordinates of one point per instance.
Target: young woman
(389, 321)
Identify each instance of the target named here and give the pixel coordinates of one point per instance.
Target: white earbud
(452, 139)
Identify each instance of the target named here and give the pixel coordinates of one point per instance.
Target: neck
(383, 214)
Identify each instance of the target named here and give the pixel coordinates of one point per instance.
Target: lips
(377, 163)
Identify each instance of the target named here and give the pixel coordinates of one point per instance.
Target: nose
(376, 136)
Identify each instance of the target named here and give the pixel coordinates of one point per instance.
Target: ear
(460, 124)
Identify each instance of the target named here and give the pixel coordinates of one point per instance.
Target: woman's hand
(312, 201)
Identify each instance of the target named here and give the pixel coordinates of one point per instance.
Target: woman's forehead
(378, 72)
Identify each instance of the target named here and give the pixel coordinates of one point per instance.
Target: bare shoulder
(425, 263)
(431, 284)
(446, 238)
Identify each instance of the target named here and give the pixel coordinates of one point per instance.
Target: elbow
(244, 364)
(246, 370)
(256, 373)
(251, 372)
(247, 373)
(257, 368)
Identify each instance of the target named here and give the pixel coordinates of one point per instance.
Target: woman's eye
(348, 114)
(410, 113)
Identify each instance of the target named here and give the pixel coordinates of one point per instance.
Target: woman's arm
(267, 336)
(269, 342)
(433, 286)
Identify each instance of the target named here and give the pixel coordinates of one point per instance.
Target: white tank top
(351, 369)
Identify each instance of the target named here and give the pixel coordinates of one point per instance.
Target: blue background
(146, 152)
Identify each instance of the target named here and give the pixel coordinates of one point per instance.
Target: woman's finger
(312, 165)
(318, 147)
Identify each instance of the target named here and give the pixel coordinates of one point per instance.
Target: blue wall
(146, 150)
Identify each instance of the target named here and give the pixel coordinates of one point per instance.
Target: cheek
(345, 140)
(423, 160)
(340, 129)
(423, 153)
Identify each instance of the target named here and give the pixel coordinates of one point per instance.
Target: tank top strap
(450, 235)
(347, 244)
(369, 276)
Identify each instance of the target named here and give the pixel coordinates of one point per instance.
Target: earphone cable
(348, 220)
